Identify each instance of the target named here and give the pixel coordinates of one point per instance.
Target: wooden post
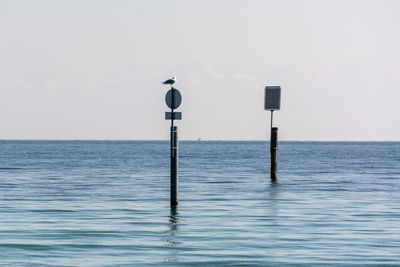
(274, 153)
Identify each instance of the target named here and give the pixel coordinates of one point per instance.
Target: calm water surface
(106, 203)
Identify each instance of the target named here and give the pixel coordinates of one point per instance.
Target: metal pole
(274, 152)
(174, 165)
(174, 156)
(272, 118)
(173, 104)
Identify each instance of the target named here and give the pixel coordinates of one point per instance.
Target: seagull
(170, 81)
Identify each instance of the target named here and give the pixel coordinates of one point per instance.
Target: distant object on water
(199, 139)
(171, 81)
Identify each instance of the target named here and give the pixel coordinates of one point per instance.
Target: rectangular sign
(176, 115)
(272, 98)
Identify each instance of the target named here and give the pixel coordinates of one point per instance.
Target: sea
(106, 203)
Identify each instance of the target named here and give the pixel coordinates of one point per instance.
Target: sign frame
(173, 115)
(173, 98)
(272, 99)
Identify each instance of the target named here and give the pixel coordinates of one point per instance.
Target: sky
(93, 69)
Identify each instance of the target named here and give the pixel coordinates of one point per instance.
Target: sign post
(273, 102)
(173, 100)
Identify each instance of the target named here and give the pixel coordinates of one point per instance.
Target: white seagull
(170, 81)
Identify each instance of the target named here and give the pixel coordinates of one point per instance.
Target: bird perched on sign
(170, 81)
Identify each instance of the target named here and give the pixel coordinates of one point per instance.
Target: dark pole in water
(173, 100)
(174, 165)
(174, 157)
(272, 102)
(274, 152)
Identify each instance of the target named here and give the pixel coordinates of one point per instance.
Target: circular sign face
(173, 99)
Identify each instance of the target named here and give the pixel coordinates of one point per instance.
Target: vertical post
(173, 100)
(274, 152)
(272, 102)
(174, 156)
(173, 104)
(174, 165)
(272, 118)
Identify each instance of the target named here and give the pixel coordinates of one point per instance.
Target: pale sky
(93, 69)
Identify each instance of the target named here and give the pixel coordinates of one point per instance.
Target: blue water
(106, 203)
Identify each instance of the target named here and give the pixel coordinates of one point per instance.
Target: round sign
(173, 99)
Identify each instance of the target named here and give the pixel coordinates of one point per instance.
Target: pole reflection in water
(173, 220)
(172, 240)
(273, 192)
(273, 217)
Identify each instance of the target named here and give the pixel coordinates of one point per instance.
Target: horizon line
(201, 140)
